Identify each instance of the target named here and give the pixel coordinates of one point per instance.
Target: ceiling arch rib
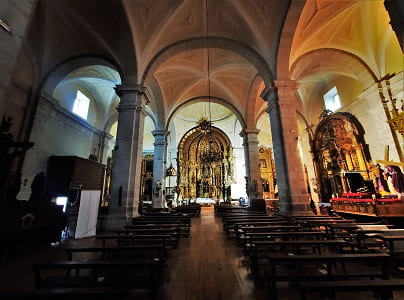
(197, 113)
(331, 61)
(360, 28)
(185, 75)
(242, 50)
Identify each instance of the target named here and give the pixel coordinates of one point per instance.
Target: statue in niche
(205, 171)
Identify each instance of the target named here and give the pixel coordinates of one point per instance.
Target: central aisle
(207, 266)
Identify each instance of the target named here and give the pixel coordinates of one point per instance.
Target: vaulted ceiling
(186, 50)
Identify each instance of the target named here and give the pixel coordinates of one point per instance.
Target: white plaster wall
(368, 109)
(238, 188)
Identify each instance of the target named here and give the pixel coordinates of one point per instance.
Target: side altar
(365, 204)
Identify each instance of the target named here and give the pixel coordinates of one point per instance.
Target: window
(331, 100)
(80, 106)
(62, 201)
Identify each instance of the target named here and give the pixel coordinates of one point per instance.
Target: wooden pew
(155, 252)
(330, 260)
(382, 286)
(264, 249)
(175, 232)
(182, 228)
(93, 274)
(252, 237)
(184, 222)
(228, 223)
(192, 210)
(241, 229)
(99, 293)
(132, 240)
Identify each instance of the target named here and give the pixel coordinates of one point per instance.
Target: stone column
(292, 190)
(159, 167)
(126, 168)
(15, 20)
(250, 138)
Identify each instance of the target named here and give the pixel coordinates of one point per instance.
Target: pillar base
(114, 221)
(291, 209)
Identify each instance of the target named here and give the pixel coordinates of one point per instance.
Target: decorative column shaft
(250, 143)
(292, 190)
(160, 145)
(126, 169)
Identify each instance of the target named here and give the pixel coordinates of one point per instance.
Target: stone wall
(56, 131)
(16, 14)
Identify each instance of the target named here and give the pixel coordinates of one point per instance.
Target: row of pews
(121, 264)
(315, 254)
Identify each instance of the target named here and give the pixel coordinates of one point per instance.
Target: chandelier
(210, 153)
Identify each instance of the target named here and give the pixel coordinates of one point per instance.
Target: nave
(205, 265)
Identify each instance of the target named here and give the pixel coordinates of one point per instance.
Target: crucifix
(386, 160)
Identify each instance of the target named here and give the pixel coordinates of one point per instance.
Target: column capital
(159, 132)
(122, 89)
(159, 137)
(247, 131)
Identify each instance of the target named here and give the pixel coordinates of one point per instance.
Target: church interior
(213, 142)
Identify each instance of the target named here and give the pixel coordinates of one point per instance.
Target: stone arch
(213, 100)
(355, 67)
(286, 39)
(196, 176)
(67, 66)
(252, 119)
(241, 49)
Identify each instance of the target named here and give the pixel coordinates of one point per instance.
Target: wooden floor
(205, 266)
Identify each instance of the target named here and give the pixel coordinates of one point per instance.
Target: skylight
(331, 100)
(81, 104)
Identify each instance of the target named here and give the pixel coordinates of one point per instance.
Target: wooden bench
(330, 260)
(183, 222)
(252, 237)
(323, 224)
(241, 230)
(192, 210)
(220, 210)
(92, 274)
(172, 231)
(114, 253)
(143, 239)
(182, 228)
(228, 224)
(264, 249)
(99, 293)
(382, 286)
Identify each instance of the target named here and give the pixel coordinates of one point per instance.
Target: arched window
(331, 100)
(81, 104)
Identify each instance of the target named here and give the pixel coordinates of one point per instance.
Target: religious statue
(396, 177)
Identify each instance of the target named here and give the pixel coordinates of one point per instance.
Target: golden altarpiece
(340, 156)
(205, 163)
(268, 172)
(146, 183)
